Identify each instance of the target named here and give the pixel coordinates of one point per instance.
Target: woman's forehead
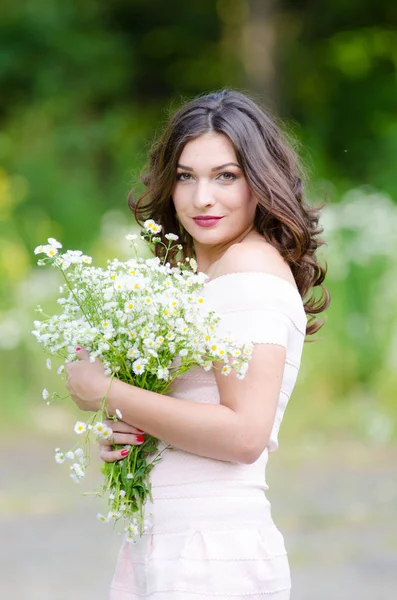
(208, 149)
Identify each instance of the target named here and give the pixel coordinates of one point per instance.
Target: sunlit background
(85, 88)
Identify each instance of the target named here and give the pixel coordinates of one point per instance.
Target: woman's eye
(227, 176)
(183, 176)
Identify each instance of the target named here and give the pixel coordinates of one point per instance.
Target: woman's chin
(208, 237)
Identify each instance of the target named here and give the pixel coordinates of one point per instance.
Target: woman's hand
(86, 381)
(122, 434)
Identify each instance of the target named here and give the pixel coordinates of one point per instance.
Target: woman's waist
(176, 513)
(182, 474)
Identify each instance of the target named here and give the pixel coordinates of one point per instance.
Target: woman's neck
(207, 257)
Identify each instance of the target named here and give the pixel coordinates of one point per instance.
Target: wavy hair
(273, 172)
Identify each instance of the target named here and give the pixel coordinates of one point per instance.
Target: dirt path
(336, 505)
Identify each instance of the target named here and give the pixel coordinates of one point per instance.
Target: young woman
(224, 179)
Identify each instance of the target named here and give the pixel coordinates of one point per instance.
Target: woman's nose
(202, 195)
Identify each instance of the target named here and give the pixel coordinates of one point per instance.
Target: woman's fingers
(122, 427)
(112, 455)
(126, 439)
(123, 434)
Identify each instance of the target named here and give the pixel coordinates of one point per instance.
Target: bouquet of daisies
(148, 323)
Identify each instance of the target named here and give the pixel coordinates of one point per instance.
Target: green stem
(74, 295)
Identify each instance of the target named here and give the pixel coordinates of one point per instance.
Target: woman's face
(211, 195)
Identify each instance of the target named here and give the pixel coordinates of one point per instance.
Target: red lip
(207, 221)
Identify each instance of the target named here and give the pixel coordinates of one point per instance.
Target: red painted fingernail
(140, 438)
(78, 348)
(124, 452)
(140, 430)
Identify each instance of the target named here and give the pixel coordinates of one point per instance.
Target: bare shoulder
(254, 256)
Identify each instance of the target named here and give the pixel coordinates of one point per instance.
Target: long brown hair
(272, 170)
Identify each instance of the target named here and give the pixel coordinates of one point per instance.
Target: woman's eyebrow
(214, 169)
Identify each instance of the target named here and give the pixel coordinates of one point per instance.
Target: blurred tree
(259, 55)
(338, 63)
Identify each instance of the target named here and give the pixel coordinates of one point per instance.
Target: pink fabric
(211, 533)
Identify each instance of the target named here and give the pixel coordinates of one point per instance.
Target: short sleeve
(257, 307)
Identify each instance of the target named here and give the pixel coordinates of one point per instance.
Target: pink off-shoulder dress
(211, 533)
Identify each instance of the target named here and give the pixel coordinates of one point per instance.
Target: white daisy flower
(69, 455)
(159, 341)
(80, 427)
(60, 369)
(148, 224)
(221, 350)
(131, 237)
(118, 414)
(226, 369)
(107, 433)
(102, 518)
(136, 284)
(51, 251)
(77, 470)
(59, 457)
(193, 264)
(119, 284)
(122, 493)
(130, 476)
(48, 363)
(151, 226)
(133, 528)
(99, 428)
(138, 366)
(171, 236)
(163, 374)
(45, 394)
(248, 349)
(54, 242)
(113, 515)
(39, 250)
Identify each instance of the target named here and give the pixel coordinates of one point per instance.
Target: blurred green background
(85, 88)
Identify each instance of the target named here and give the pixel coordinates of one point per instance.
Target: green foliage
(85, 87)
(338, 65)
